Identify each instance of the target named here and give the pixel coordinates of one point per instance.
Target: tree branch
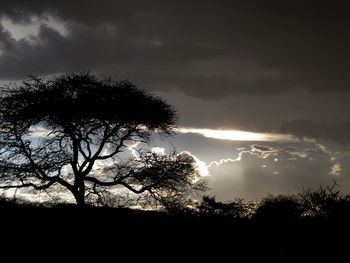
(23, 185)
(119, 146)
(119, 181)
(75, 148)
(106, 135)
(37, 170)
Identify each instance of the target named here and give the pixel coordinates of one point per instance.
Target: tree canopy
(71, 130)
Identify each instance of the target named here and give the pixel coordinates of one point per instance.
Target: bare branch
(25, 185)
(125, 137)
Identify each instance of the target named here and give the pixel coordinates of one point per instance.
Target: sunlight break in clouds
(235, 135)
(201, 166)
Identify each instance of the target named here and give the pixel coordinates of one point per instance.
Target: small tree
(70, 131)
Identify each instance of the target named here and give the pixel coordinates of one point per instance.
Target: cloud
(255, 174)
(235, 135)
(200, 165)
(335, 134)
(201, 48)
(30, 30)
(158, 150)
(262, 148)
(262, 114)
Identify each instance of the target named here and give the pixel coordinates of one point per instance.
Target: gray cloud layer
(335, 134)
(207, 49)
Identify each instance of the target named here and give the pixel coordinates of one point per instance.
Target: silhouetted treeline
(325, 203)
(309, 224)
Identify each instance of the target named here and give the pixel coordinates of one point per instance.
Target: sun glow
(235, 135)
(201, 166)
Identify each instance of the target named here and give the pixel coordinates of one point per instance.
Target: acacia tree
(70, 131)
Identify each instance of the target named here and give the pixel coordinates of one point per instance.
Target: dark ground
(105, 232)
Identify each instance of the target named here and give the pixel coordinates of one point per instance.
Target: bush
(279, 208)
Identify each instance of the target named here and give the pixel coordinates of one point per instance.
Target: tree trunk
(80, 199)
(79, 195)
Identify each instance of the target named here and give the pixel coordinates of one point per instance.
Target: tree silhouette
(69, 131)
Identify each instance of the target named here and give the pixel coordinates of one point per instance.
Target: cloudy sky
(276, 69)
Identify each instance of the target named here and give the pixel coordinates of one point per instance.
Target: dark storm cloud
(259, 113)
(334, 134)
(207, 49)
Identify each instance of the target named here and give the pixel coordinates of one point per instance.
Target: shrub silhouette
(326, 202)
(279, 208)
(237, 209)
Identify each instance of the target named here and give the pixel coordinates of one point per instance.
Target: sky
(278, 70)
